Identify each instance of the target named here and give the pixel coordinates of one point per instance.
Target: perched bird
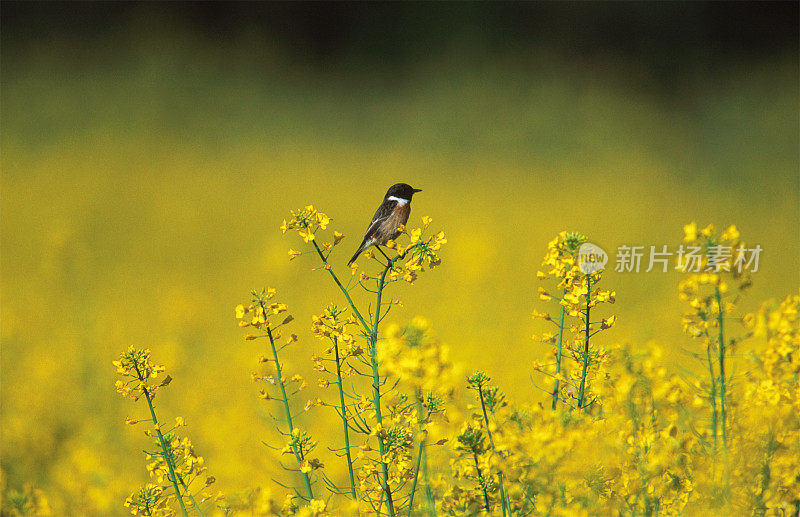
(392, 214)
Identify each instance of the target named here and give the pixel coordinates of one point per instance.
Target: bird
(392, 214)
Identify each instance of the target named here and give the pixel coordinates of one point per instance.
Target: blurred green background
(150, 151)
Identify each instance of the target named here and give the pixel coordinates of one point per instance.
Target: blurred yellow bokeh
(141, 199)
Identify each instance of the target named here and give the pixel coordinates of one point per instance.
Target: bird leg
(382, 253)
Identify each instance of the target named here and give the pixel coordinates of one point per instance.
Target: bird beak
(417, 190)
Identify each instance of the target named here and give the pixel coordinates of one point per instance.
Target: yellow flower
(731, 233)
(278, 308)
(690, 232)
(337, 237)
(317, 506)
(438, 240)
(607, 323)
(323, 220)
(293, 254)
(540, 315)
(426, 221)
(240, 311)
(306, 234)
(258, 316)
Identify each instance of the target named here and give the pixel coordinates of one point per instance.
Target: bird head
(402, 191)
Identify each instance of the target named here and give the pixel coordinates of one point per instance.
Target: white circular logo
(591, 258)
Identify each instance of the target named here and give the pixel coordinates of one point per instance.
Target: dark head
(401, 191)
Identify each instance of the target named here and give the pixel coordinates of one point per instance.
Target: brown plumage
(392, 214)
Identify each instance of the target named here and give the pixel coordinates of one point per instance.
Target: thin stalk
(760, 507)
(480, 477)
(284, 397)
(582, 389)
(713, 397)
(503, 499)
(428, 491)
(376, 388)
(422, 464)
(416, 477)
(165, 450)
(342, 288)
(344, 419)
(372, 332)
(558, 352)
(721, 368)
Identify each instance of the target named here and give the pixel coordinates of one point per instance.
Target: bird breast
(388, 229)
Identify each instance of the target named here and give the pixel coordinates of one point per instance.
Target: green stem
(285, 398)
(376, 388)
(344, 419)
(760, 506)
(342, 288)
(503, 499)
(480, 477)
(558, 353)
(416, 477)
(372, 332)
(581, 391)
(167, 451)
(721, 368)
(422, 464)
(428, 491)
(713, 397)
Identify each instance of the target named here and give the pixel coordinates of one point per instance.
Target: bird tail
(355, 256)
(361, 248)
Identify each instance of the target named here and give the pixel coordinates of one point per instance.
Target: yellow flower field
(175, 229)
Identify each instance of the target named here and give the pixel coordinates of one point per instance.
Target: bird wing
(383, 213)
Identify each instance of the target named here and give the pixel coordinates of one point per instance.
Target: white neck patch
(400, 201)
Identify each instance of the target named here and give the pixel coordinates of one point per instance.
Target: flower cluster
(411, 256)
(765, 471)
(263, 314)
(412, 355)
(576, 293)
(307, 221)
(712, 300)
(708, 292)
(389, 417)
(644, 406)
(561, 259)
(334, 326)
(421, 251)
(618, 434)
(173, 464)
(136, 366)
